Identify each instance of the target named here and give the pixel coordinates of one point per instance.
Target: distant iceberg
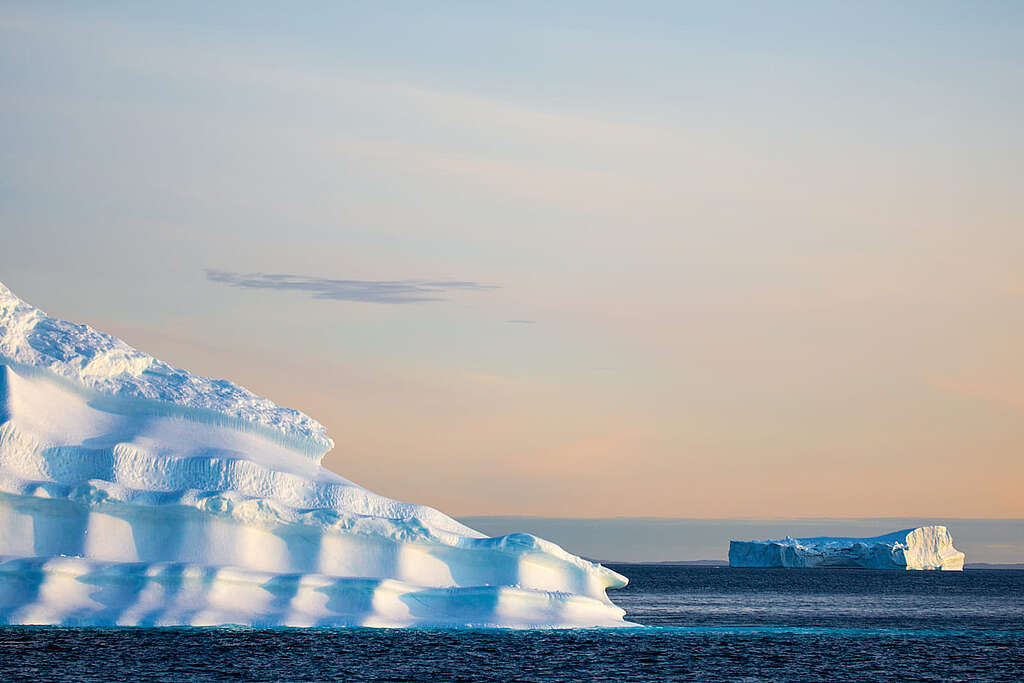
(135, 493)
(927, 547)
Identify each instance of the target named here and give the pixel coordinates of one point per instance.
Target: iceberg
(135, 493)
(926, 547)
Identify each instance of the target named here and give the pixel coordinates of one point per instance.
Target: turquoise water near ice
(702, 623)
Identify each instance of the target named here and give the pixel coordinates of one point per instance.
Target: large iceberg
(135, 493)
(926, 547)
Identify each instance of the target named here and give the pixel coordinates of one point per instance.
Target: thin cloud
(519, 321)
(369, 291)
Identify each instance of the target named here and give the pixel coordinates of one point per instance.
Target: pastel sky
(721, 259)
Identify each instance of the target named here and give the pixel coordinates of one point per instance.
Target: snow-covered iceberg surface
(134, 493)
(926, 547)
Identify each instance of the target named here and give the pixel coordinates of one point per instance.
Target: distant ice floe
(134, 493)
(927, 547)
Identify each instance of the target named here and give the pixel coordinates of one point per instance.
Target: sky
(574, 259)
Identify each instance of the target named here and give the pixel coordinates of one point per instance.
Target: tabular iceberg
(926, 547)
(134, 493)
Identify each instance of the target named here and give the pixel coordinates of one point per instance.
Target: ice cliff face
(927, 547)
(132, 492)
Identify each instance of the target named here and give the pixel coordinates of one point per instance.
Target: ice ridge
(125, 378)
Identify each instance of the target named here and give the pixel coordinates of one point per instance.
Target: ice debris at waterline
(134, 493)
(926, 547)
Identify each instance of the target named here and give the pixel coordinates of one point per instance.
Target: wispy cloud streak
(370, 291)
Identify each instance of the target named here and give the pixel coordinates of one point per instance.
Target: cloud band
(369, 291)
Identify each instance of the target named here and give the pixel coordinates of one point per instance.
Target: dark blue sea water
(704, 623)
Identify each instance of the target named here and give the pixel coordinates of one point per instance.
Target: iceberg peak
(100, 363)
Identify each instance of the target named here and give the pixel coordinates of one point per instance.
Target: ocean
(700, 623)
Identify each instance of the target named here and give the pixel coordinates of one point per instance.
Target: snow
(113, 370)
(136, 493)
(927, 547)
